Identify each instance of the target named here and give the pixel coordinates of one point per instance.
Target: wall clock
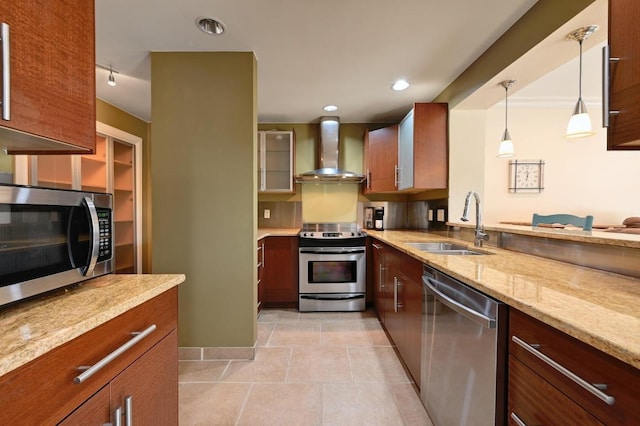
(526, 176)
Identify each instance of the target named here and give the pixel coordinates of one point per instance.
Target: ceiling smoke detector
(210, 26)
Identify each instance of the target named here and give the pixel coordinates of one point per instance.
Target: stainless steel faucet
(480, 234)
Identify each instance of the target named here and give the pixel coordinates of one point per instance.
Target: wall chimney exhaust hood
(328, 152)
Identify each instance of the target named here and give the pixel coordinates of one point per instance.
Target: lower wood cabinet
(143, 378)
(260, 276)
(280, 276)
(398, 300)
(545, 368)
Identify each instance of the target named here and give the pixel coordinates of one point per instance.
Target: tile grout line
(244, 404)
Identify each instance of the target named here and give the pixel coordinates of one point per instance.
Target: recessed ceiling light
(330, 108)
(400, 85)
(210, 26)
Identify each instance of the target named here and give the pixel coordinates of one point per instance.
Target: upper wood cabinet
(422, 148)
(624, 127)
(276, 161)
(51, 72)
(381, 160)
(411, 156)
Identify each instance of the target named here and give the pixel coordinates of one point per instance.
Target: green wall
(204, 191)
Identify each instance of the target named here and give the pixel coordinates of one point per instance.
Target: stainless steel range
(332, 273)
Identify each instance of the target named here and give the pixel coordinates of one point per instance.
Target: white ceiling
(309, 53)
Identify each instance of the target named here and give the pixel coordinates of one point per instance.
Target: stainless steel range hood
(328, 153)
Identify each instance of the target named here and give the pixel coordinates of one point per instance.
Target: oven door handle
(329, 250)
(328, 297)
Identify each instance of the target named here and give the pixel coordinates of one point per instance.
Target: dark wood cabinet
(280, 271)
(52, 76)
(412, 156)
(540, 393)
(260, 276)
(423, 148)
(397, 280)
(381, 160)
(43, 391)
(623, 132)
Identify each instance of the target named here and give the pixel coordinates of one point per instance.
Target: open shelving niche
(118, 149)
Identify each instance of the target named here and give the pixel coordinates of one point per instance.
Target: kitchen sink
(444, 247)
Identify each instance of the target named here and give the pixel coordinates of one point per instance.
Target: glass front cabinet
(276, 161)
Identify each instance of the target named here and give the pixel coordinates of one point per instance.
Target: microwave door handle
(95, 236)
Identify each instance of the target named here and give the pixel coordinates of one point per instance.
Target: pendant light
(506, 144)
(580, 123)
(111, 80)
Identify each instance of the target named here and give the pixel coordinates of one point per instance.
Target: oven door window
(37, 240)
(332, 271)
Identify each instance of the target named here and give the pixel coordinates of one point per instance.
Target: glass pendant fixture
(580, 123)
(506, 144)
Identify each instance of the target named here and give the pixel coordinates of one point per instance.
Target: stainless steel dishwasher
(463, 353)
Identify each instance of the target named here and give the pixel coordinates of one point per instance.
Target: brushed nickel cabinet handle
(128, 411)
(6, 72)
(91, 370)
(606, 85)
(117, 417)
(589, 387)
(517, 419)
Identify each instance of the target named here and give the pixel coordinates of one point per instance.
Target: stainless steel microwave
(52, 238)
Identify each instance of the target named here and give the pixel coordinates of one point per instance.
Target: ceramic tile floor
(310, 369)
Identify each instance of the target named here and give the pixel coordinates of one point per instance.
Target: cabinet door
(94, 412)
(533, 401)
(281, 271)
(52, 73)
(382, 158)
(624, 128)
(405, 152)
(149, 386)
(378, 274)
(260, 274)
(276, 156)
(430, 146)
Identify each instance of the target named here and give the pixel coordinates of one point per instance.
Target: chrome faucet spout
(480, 235)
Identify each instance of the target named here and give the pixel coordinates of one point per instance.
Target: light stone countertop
(599, 308)
(595, 236)
(277, 232)
(34, 327)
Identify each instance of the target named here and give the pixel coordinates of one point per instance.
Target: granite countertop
(36, 326)
(595, 236)
(277, 232)
(599, 308)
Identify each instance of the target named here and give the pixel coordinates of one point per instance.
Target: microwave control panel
(105, 225)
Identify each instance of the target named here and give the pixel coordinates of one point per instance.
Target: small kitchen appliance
(368, 217)
(52, 238)
(332, 267)
(378, 218)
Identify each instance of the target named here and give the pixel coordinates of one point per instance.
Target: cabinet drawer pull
(6, 72)
(90, 371)
(591, 388)
(128, 411)
(117, 417)
(606, 82)
(517, 420)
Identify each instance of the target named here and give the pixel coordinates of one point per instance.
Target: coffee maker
(378, 218)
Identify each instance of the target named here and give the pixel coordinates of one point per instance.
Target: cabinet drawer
(585, 362)
(535, 402)
(43, 391)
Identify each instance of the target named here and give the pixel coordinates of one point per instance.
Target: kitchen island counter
(599, 308)
(34, 327)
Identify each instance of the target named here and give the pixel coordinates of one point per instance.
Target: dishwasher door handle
(475, 316)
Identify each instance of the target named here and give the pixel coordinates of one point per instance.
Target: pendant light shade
(580, 123)
(505, 149)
